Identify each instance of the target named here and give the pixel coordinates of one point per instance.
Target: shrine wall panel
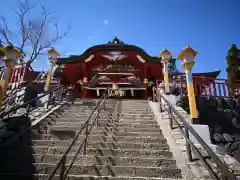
(74, 71)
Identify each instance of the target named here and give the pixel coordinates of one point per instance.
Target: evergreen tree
(172, 66)
(233, 68)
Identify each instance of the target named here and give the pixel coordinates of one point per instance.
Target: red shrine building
(126, 69)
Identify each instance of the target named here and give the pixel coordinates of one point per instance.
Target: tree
(233, 68)
(32, 30)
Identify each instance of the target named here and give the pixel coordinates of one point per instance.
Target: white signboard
(115, 93)
(115, 55)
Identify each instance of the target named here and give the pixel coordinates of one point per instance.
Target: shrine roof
(114, 45)
(212, 74)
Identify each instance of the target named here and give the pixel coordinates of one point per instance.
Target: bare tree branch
(5, 32)
(33, 32)
(24, 10)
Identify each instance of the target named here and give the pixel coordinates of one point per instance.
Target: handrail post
(85, 140)
(49, 99)
(160, 104)
(104, 104)
(154, 94)
(61, 94)
(188, 147)
(62, 169)
(170, 119)
(28, 109)
(98, 111)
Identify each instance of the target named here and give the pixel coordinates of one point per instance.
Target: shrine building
(116, 65)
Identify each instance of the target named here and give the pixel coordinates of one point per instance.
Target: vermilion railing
(18, 74)
(203, 86)
(206, 86)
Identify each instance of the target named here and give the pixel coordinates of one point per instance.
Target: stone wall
(222, 115)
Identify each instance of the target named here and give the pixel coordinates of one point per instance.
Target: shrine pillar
(145, 83)
(85, 80)
(114, 86)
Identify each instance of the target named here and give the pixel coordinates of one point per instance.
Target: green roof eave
(109, 47)
(213, 74)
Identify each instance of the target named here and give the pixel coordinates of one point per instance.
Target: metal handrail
(51, 99)
(226, 173)
(26, 104)
(62, 162)
(10, 96)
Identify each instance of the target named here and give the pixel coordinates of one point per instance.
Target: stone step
(150, 139)
(109, 160)
(88, 106)
(133, 100)
(73, 125)
(143, 102)
(142, 114)
(159, 153)
(101, 131)
(109, 124)
(138, 116)
(102, 170)
(108, 114)
(106, 111)
(107, 129)
(76, 109)
(84, 114)
(130, 114)
(121, 115)
(96, 160)
(13, 176)
(77, 115)
(130, 101)
(136, 104)
(134, 109)
(98, 144)
(130, 119)
(80, 109)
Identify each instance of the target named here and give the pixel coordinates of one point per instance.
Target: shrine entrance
(121, 80)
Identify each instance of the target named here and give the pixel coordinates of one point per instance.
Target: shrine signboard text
(112, 92)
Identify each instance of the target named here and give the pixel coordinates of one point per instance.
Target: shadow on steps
(14, 156)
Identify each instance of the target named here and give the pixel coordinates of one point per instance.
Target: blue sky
(209, 26)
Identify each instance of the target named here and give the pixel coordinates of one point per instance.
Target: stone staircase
(128, 144)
